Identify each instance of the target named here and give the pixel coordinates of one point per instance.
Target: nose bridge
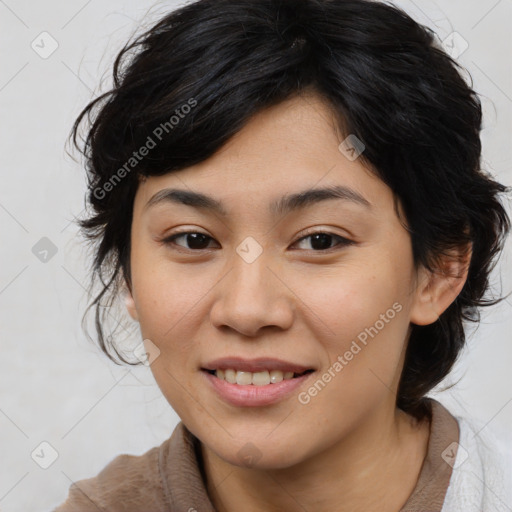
(251, 296)
(251, 277)
(252, 283)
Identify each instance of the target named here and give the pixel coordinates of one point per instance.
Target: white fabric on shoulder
(482, 471)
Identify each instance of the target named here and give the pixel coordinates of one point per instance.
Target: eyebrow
(285, 204)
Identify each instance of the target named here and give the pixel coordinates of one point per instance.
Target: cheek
(167, 296)
(352, 299)
(367, 329)
(360, 316)
(168, 304)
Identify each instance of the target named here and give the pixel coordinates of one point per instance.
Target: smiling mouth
(261, 378)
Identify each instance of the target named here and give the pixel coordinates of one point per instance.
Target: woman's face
(256, 285)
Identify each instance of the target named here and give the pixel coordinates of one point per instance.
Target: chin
(254, 453)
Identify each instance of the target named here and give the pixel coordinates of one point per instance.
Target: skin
(349, 448)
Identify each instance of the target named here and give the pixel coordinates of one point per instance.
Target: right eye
(195, 239)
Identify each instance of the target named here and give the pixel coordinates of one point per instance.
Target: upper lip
(254, 365)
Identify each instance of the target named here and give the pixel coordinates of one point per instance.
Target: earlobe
(130, 304)
(437, 290)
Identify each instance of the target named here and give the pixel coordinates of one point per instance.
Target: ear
(436, 290)
(130, 303)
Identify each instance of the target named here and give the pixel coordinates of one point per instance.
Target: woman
(237, 137)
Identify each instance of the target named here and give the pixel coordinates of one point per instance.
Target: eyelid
(169, 239)
(322, 231)
(343, 241)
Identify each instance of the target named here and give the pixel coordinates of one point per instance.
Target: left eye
(320, 241)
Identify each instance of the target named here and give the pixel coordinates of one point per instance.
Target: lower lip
(254, 396)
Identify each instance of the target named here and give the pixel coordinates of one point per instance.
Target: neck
(374, 468)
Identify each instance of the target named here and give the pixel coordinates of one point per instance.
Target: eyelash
(343, 242)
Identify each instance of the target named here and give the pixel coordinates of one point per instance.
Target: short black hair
(198, 75)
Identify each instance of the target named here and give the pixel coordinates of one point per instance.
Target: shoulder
(482, 470)
(128, 480)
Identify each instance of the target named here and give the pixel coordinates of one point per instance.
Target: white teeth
(229, 376)
(261, 378)
(257, 378)
(243, 378)
(276, 376)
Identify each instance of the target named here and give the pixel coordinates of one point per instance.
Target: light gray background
(55, 385)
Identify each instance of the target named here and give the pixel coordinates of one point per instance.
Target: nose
(251, 297)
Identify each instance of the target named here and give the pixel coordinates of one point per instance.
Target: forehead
(285, 150)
